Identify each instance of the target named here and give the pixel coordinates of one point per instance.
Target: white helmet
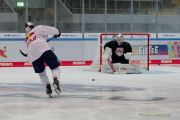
(119, 37)
(29, 26)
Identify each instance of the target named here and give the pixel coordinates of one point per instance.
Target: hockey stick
(22, 53)
(25, 55)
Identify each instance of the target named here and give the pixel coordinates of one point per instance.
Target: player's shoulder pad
(39, 26)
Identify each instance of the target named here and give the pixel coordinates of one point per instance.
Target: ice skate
(56, 86)
(48, 90)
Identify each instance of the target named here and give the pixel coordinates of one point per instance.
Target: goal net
(140, 48)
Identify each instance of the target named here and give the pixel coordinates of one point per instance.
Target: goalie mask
(119, 38)
(29, 26)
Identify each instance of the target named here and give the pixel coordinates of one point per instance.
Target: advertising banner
(73, 49)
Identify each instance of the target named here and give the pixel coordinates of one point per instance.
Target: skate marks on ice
(128, 99)
(73, 91)
(22, 90)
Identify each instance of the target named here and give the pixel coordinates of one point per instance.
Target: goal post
(140, 43)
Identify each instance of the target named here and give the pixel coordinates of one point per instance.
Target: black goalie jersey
(118, 51)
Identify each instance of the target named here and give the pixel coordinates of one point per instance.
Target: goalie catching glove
(128, 55)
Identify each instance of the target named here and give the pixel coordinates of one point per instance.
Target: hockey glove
(55, 36)
(128, 55)
(107, 53)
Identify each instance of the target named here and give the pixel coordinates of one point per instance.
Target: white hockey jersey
(36, 41)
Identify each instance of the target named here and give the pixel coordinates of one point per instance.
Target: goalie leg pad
(108, 67)
(127, 69)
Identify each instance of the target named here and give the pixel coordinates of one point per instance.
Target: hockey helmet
(119, 37)
(29, 26)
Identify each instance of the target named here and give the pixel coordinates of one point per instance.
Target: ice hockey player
(40, 53)
(117, 54)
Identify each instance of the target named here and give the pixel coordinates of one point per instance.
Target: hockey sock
(44, 78)
(56, 73)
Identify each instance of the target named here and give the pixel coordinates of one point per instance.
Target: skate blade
(50, 96)
(57, 91)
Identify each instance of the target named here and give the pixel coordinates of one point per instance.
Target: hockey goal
(140, 47)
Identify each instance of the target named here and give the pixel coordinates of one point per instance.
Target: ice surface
(86, 95)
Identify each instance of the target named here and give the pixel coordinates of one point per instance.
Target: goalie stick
(111, 66)
(25, 55)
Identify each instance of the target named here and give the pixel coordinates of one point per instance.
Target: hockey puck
(93, 79)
